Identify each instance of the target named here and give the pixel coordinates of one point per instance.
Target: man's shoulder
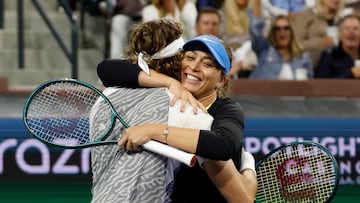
(187, 118)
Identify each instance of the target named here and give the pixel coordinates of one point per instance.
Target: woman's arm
(256, 9)
(114, 72)
(186, 139)
(234, 186)
(273, 10)
(155, 79)
(223, 142)
(256, 28)
(183, 138)
(225, 138)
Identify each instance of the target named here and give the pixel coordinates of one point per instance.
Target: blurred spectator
(235, 31)
(208, 22)
(235, 22)
(244, 61)
(200, 4)
(343, 61)
(273, 8)
(279, 55)
(315, 27)
(181, 10)
(125, 13)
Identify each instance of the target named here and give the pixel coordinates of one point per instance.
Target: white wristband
(247, 161)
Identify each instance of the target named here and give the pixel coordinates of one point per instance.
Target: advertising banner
(340, 135)
(23, 156)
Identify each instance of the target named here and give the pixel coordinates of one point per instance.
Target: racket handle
(171, 152)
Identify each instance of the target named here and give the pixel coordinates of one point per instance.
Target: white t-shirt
(286, 73)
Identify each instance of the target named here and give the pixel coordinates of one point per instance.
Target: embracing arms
(115, 72)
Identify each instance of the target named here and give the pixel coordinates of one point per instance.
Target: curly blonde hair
(152, 36)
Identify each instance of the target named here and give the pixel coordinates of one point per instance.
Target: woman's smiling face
(200, 73)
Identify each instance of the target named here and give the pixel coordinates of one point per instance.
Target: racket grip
(171, 152)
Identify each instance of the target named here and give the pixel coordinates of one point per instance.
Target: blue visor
(215, 47)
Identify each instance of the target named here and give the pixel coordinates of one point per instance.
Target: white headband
(168, 51)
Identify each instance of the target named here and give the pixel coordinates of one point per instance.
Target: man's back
(121, 176)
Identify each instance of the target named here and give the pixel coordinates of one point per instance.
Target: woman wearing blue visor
(205, 64)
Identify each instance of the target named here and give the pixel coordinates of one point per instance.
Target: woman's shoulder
(306, 15)
(228, 106)
(308, 11)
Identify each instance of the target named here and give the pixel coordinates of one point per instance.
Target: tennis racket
(58, 113)
(297, 172)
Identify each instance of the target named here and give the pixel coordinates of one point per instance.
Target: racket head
(58, 112)
(297, 172)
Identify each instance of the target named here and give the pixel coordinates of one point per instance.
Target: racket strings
(296, 174)
(59, 113)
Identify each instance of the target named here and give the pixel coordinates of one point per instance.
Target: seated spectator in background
(181, 10)
(235, 22)
(235, 31)
(125, 13)
(244, 61)
(208, 22)
(315, 27)
(341, 61)
(279, 55)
